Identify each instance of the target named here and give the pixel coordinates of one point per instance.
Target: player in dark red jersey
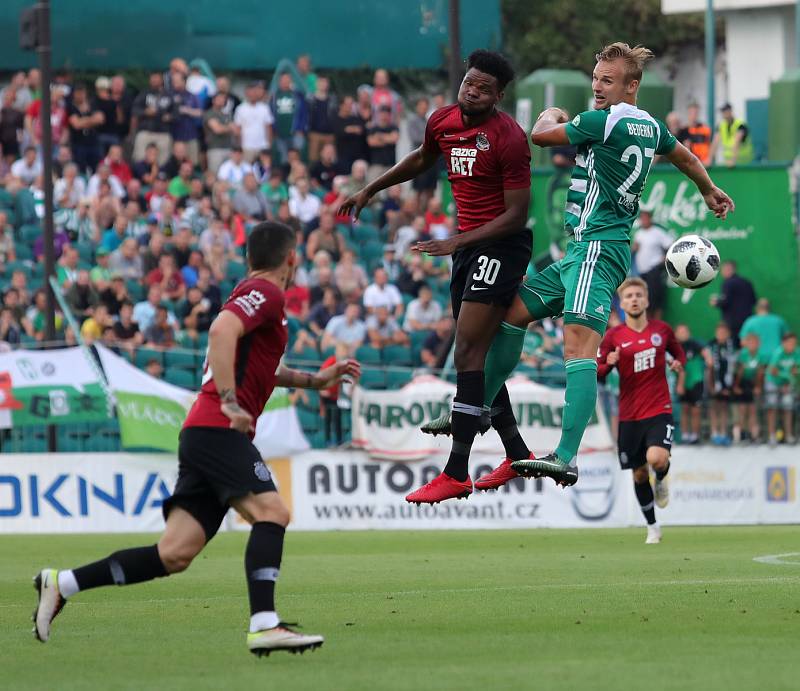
(488, 164)
(218, 465)
(638, 349)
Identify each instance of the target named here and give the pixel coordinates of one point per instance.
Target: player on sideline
(616, 144)
(488, 164)
(638, 348)
(218, 465)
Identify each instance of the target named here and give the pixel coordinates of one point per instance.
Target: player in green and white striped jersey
(616, 144)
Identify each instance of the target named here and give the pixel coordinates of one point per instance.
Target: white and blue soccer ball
(692, 261)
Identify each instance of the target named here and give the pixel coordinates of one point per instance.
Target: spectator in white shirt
(304, 205)
(70, 189)
(345, 328)
(650, 245)
(234, 168)
(423, 312)
(27, 168)
(255, 119)
(381, 293)
(102, 175)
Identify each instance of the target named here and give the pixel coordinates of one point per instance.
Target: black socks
(506, 425)
(262, 561)
(644, 493)
(122, 568)
(465, 422)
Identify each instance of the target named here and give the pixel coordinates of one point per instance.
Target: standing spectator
(329, 400)
(748, 384)
(291, 117)
(381, 293)
(188, 117)
(425, 183)
(350, 134)
(27, 168)
(383, 96)
(58, 120)
(254, 119)
(250, 201)
(382, 138)
(721, 361)
(153, 112)
(736, 298)
(347, 328)
(321, 116)
(770, 329)
(733, 137)
(126, 262)
(781, 387)
(309, 81)
(326, 237)
(11, 123)
(231, 100)
(696, 136)
(650, 244)
(84, 121)
(423, 312)
(220, 131)
(233, 169)
(108, 131)
(201, 86)
(124, 104)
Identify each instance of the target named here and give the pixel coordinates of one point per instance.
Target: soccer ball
(692, 261)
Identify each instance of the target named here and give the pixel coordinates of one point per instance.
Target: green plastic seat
(144, 355)
(373, 378)
(182, 359)
(180, 377)
(398, 378)
(398, 356)
(368, 355)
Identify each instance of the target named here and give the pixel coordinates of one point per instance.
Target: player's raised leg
(268, 516)
(477, 323)
(182, 541)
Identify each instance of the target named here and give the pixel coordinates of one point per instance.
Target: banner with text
(386, 423)
(40, 387)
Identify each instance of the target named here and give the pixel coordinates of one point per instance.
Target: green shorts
(581, 285)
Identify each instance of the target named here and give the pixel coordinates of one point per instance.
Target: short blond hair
(635, 58)
(633, 281)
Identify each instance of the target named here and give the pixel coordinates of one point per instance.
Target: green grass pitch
(541, 609)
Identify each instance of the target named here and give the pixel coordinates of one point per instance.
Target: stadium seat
(309, 354)
(26, 207)
(135, 290)
(372, 378)
(180, 377)
(25, 267)
(144, 355)
(365, 232)
(202, 343)
(309, 420)
(418, 339)
(398, 378)
(371, 250)
(24, 252)
(226, 288)
(6, 199)
(367, 355)
(398, 355)
(29, 233)
(367, 215)
(181, 359)
(85, 251)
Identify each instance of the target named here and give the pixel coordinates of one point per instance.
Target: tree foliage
(567, 33)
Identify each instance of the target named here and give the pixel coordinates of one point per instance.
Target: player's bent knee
(177, 557)
(657, 457)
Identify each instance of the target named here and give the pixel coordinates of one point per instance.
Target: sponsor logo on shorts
(655, 339)
(261, 471)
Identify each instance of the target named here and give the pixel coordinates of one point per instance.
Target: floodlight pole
(711, 46)
(455, 48)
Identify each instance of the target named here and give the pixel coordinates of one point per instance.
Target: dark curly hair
(492, 63)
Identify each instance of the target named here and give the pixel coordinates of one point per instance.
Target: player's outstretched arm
(223, 335)
(549, 129)
(414, 163)
(716, 200)
(325, 378)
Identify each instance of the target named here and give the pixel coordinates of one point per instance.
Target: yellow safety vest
(727, 134)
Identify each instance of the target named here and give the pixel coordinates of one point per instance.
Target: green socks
(580, 401)
(502, 358)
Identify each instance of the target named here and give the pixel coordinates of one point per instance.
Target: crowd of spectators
(155, 193)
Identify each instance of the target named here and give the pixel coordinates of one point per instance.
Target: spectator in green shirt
(100, 275)
(781, 387)
(690, 385)
(180, 185)
(748, 384)
(770, 329)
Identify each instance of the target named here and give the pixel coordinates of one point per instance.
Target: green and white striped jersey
(616, 147)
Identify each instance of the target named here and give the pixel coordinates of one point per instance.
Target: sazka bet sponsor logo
(781, 483)
(72, 496)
